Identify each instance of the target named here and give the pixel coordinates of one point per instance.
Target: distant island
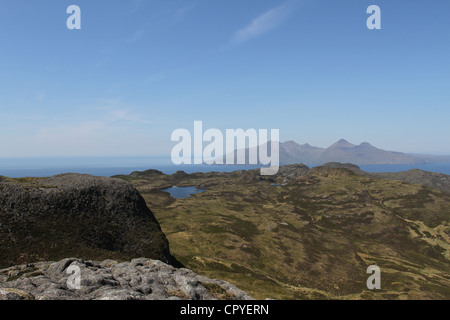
(345, 152)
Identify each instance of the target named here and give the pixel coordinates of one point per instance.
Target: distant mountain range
(346, 152)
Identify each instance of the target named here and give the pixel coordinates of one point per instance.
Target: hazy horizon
(168, 156)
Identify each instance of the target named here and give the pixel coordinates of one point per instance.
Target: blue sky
(137, 70)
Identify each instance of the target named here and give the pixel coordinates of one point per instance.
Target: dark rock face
(140, 279)
(76, 215)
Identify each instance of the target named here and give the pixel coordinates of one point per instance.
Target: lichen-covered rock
(140, 279)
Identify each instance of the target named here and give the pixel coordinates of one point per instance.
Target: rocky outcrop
(428, 179)
(291, 172)
(96, 218)
(140, 279)
(433, 180)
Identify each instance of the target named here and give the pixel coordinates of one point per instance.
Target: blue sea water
(441, 168)
(106, 167)
(45, 167)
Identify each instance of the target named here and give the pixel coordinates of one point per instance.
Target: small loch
(182, 192)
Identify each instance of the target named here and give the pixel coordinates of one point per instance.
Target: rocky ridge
(139, 279)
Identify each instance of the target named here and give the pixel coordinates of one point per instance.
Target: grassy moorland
(313, 237)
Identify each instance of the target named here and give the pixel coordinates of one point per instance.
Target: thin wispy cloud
(180, 13)
(136, 36)
(40, 96)
(160, 18)
(115, 111)
(103, 128)
(136, 5)
(265, 22)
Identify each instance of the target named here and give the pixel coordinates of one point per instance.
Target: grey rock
(139, 279)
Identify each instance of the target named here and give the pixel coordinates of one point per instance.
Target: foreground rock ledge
(140, 279)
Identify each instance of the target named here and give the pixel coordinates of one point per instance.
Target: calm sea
(442, 168)
(45, 167)
(42, 167)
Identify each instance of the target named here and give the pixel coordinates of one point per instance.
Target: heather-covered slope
(312, 235)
